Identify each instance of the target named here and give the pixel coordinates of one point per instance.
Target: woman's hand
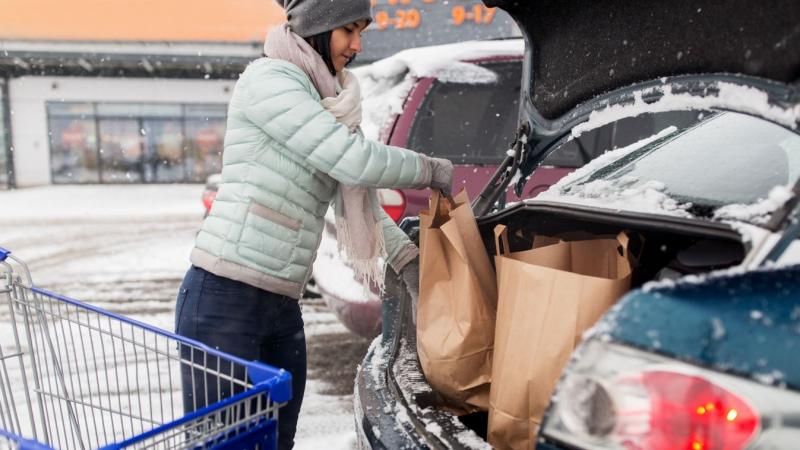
(441, 174)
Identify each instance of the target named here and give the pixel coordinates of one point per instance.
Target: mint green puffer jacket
(284, 157)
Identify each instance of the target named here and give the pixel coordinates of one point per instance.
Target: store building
(93, 91)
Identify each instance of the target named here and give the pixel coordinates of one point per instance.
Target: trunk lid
(586, 53)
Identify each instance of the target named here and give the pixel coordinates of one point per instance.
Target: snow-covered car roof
(385, 83)
(439, 60)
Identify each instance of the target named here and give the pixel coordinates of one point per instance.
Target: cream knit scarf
(359, 232)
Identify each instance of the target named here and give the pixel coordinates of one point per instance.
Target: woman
(292, 148)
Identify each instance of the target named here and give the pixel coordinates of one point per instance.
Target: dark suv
(697, 105)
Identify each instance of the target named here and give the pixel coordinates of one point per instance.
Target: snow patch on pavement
(82, 203)
(125, 249)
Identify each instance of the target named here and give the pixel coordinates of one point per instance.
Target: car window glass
(593, 143)
(725, 158)
(469, 123)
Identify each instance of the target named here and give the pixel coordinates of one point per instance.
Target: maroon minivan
(468, 123)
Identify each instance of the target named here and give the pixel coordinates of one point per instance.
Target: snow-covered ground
(126, 248)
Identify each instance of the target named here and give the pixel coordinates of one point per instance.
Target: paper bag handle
(449, 198)
(623, 241)
(501, 234)
(437, 207)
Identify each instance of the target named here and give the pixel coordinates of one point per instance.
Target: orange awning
(139, 20)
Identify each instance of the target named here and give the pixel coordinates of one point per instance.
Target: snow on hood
(607, 158)
(385, 84)
(759, 212)
(622, 193)
(742, 98)
(626, 193)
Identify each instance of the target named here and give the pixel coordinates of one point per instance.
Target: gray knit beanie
(309, 17)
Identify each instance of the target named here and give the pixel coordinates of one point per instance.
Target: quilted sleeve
(281, 105)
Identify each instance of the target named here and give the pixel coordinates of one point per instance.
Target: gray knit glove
(441, 174)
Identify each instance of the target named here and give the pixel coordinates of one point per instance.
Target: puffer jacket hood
(284, 155)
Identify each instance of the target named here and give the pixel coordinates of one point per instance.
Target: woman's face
(346, 43)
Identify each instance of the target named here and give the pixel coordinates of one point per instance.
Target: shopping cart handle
(4, 254)
(280, 382)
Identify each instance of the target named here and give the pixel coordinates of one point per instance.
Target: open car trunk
(593, 64)
(667, 248)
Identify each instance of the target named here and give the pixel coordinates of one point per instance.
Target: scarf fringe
(369, 271)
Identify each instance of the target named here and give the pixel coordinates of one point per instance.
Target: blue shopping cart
(75, 376)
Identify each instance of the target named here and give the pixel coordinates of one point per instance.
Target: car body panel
(591, 63)
(695, 89)
(748, 323)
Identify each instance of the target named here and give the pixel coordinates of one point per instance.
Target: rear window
(576, 152)
(470, 123)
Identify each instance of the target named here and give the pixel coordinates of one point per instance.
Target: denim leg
(286, 348)
(226, 315)
(247, 322)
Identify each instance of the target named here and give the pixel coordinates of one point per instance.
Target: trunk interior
(665, 248)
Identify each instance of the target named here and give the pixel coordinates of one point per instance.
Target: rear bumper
(381, 421)
(393, 401)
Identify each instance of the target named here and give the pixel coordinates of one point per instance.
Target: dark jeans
(247, 322)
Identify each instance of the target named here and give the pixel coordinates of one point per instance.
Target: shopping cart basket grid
(75, 376)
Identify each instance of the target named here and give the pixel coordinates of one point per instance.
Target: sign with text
(401, 24)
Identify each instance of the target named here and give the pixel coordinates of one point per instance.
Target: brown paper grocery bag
(457, 303)
(547, 298)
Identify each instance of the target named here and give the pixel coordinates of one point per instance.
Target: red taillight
(208, 199)
(393, 202)
(680, 411)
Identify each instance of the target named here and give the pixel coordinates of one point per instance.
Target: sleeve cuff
(406, 254)
(425, 174)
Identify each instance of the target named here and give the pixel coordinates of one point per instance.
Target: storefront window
(204, 148)
(163, 150)
(151, 143)
(73, 146)
(205, 134)
(121, 150)
(135, 110)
